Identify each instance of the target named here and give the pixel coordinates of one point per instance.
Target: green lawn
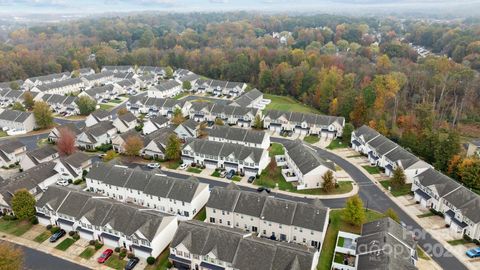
(283, 103)
(162, 262)
(271, 179)
(336, 144)
(115, 262)
(171, 164)
(337, 223)
(343, 187)
(276, 149)
(457, 242)
(106, 107)
(429, 214)
(311, 139)
(340, 242)
(87, 253)
(116, 101)
(216, 174)
(181, 95)
(202, 215)
(371, 169)
(194, 170)
(236, 178)
(401, 191)
(42, 237)
(14, 227)
(3, 133)
(65, 244)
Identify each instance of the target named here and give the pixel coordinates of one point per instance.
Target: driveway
(374, 198)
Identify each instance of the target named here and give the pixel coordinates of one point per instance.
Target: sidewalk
(430, 264)
(206, 174)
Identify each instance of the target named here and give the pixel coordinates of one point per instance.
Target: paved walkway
(207, 174)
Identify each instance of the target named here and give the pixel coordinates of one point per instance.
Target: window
(212, 220)
(228, 223)
(179, 253)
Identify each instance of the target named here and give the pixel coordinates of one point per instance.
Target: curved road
(374, 198)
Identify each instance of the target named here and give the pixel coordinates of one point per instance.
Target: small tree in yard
(66, 142)
(392, 214)
(187, 85)
(347, 133)
(354, 212)
(219, 122)
(258, 123)
(23, 204)
(43, 115)
(86, 105)
(398, 179)
(172, 151)
(28, 101)
(272, 166)
(178, 118)
(11, 257)
(202, 130)
(109, 155)
(122, 111)
(168, 72)
(328, 182)
(133, 144)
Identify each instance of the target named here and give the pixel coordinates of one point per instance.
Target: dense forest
(364, 69)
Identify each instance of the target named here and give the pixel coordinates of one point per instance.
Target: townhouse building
(154, 124)
(46, 79)
(156, 143)
(386, 154)
(156, 106)
(251, 99)
(189, 129)
(385, 244)
(125, 122)
(246, 137)
(118, 69)
(119, 140)
(128, 85)
(9, 96)
(304, 123)
(96, 135)
(199, 245)
(11, 152)
(73, 167)
(82, 72)
(62, 104)
(158, 72)
(97, 117)
(99, 93)
(192, 78)
(269, 217)
(242, 159)
(181, 197)
(17, 121)
(55, 133)
(63, 87)
(165, 89)
(147, 80)
(217, 87)
(231, 115)
(35, 180)
(303, 165)
(144, 232)
(18, 84)
(98, 79)
(40, 155)
(436, 191)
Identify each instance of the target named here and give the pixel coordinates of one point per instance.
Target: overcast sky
(99, 6)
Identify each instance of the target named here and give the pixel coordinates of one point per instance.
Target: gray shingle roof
(221, 149)
(100, 90)
(99, 128)
(42, 153)
(59, 84)
(146, 181)
(166, 85)
(247, 98)
(9, 146)
(440, 182)
(237, 134)
(100, 114)
(367, 132)
(14, 116)
(306, 158)
(308, 216)
(466, 201)
(309, 118)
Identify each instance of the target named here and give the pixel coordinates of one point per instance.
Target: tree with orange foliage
(133, 144)
(66, 142)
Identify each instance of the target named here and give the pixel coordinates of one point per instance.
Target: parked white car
(63, 183)
(153, 165)
(183, 166)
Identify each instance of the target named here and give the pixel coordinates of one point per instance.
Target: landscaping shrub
(91, 242)
(98, 245)
(169, 264)
(117, 249)
(9, 217)
(104, 147)
(467, 238)
(71, 233)
(130, 255)
(476, 242)
(49, 227)
(11, 166)
(76, 236)
(34, 220)
(54, 230)
(77, 182)
(150, 260)
(122, 254)
(70, 181)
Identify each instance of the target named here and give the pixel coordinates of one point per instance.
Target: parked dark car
(260, 189)
(230, 174)
(251, 179)
(131, 263)
(105, 255)
(57, 236)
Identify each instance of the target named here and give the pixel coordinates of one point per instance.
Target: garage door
(210, 164)
(230, 166)
(110, 240)
(276, 128)
(43, 219)
(85, 234)
(67, 225)
(141, 251)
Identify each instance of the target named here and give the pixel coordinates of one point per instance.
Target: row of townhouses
(181, 197)
(199, 245)
(218, 87)
(267, 216)
(63, 87)
(231, 115)
(62, 104)
(17, 122)
(11, 152)
(212, 154)
(386, 154)
(143, 231)
(156, 106)
(304, 123)
(246, 137)
(251, 99)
